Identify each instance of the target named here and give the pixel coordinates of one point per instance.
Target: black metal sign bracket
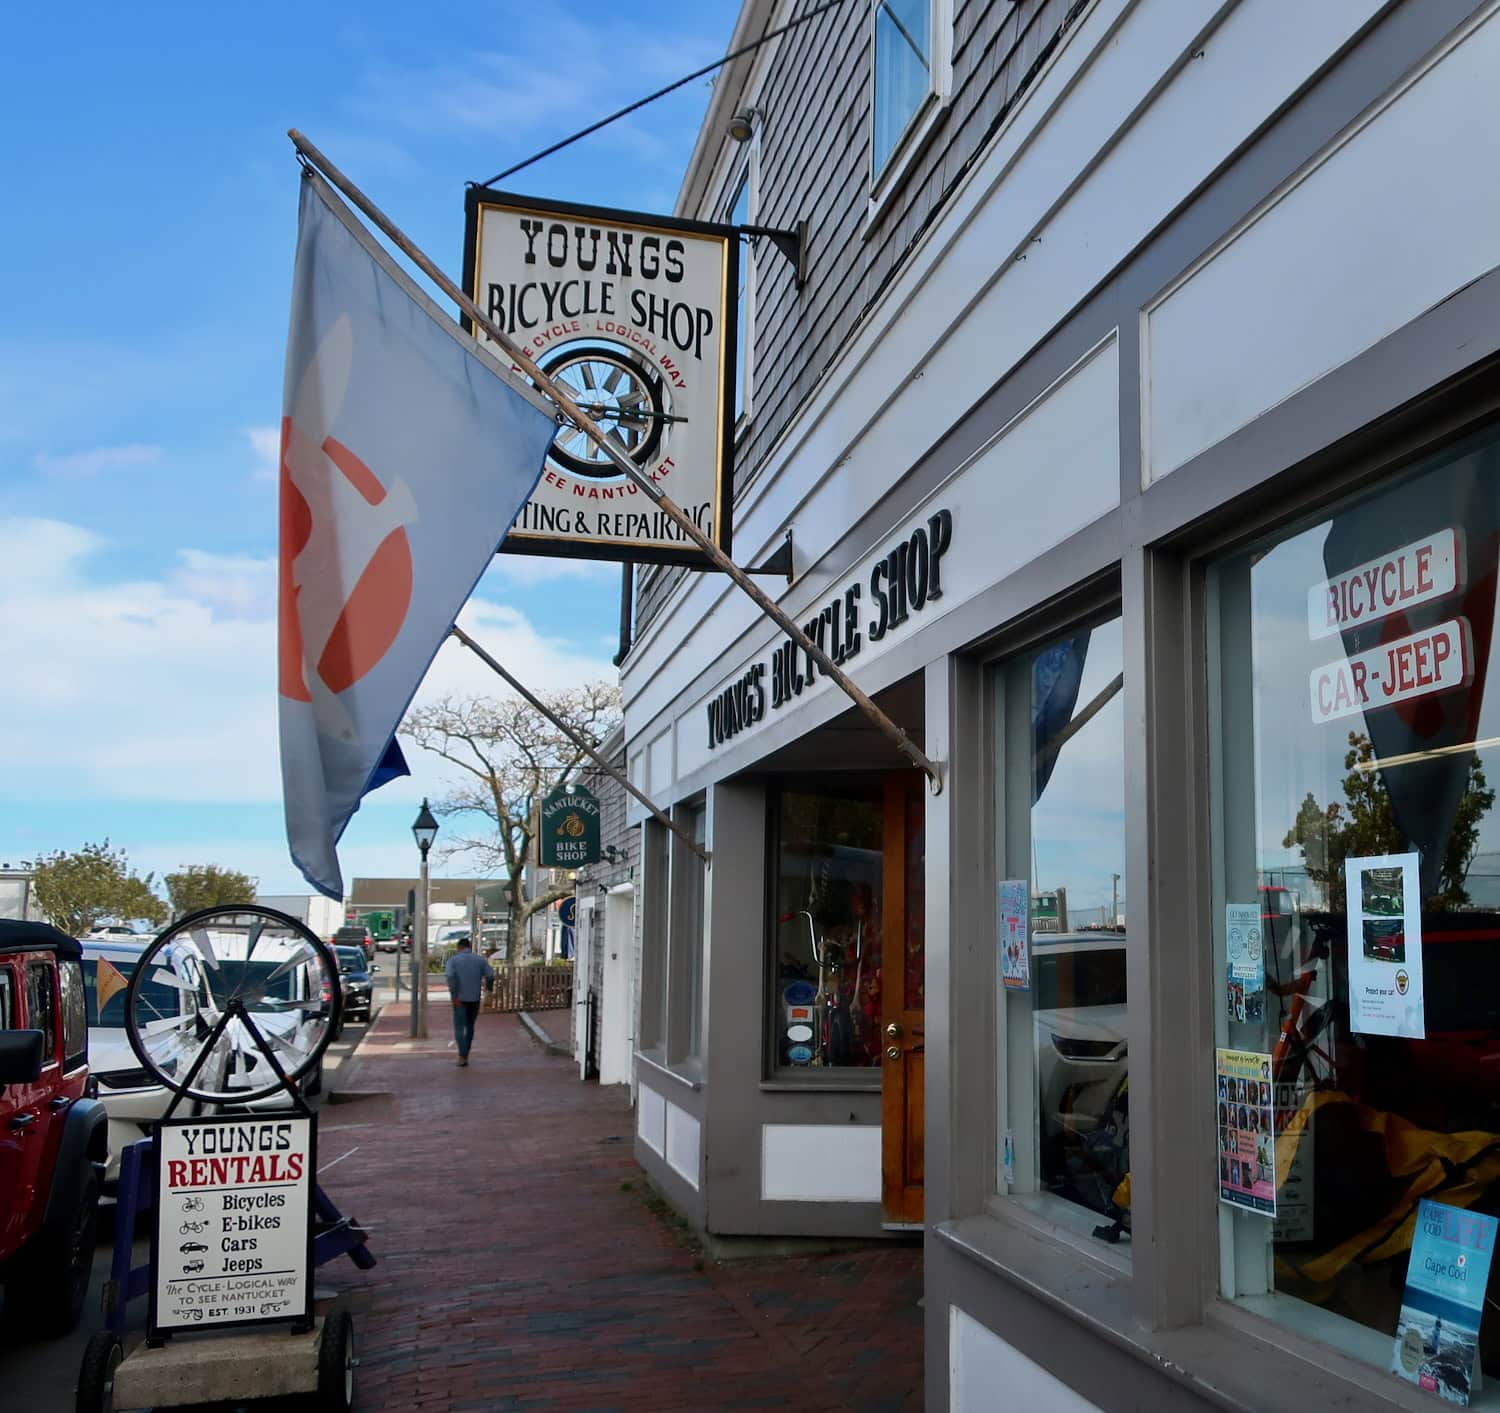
(792, 244)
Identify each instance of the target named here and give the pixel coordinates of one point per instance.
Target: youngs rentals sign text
(903, 581)
(635, 315)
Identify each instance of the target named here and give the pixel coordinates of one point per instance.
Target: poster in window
(1385, 945)
(1015, 954)
(1246, 969)
(1247, 1131)
(1437, 1332)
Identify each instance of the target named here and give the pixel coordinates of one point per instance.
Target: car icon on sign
(192, 1246)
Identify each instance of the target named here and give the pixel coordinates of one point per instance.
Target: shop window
(1357, 907)
(910, 72)
(685, 940)
(654, 895)
(825, 1002)
(1064, 1093)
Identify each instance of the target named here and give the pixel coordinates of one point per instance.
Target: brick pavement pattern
(522, 1267)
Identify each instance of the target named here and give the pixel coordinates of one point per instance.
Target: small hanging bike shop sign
(570, 828)
(232, 1244)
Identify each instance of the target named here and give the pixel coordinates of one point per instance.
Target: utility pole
(1114, 900)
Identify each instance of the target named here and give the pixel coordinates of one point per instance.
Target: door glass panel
(916, 901)
(826, 975)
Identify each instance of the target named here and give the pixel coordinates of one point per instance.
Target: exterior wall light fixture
(742, 125)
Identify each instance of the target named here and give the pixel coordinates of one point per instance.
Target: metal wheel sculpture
(229, 1004)
(621, 393)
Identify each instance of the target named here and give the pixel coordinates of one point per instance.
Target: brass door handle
(893, 1030)
(893, 1052)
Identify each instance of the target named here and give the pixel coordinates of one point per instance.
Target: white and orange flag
(406, 453)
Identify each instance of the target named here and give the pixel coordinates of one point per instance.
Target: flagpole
(624, 464)
(580, 741)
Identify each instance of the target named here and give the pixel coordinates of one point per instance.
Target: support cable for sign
(662, 92)
(581, 742)
(570, 411)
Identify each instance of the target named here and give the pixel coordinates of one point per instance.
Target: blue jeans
(464, 1015)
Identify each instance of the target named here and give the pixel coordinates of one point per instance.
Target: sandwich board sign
(232, 1240)
(570, 828)
(636, 317)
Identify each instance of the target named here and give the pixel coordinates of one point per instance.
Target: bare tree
(509, 756)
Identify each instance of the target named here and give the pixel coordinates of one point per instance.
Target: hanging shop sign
(232, 1244)
(570, 828)
(636, 316)
(902, 582)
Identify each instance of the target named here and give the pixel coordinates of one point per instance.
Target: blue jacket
(465, 972)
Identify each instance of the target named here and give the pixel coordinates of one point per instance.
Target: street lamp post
(424, 830)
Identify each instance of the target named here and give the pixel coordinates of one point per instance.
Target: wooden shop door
(903, 1017)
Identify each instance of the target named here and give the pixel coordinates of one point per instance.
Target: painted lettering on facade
(903, 581)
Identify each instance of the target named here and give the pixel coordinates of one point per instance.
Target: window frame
(672, 989)
(49, 1029)
(924, 118)
(1012, 1058)
(72, 1012)
(1237, 1262)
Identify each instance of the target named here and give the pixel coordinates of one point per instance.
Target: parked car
(355, 934)
(356, 981)
(1078, 997)
(131, 1099)
(55, 1141)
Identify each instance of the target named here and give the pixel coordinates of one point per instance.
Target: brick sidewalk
(522, 1267)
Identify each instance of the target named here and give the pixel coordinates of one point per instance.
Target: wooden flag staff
(581, 742)
(623, 463)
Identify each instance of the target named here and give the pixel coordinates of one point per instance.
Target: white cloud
(265, 442)
(528, 570)
(97, 459)
(164, 688)
(231, 585)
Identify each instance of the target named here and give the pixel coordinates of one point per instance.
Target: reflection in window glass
(75, 1022)
(903, 71)
(1065, 1066)
(827, 942)
(41, 1008)
(1358, 754)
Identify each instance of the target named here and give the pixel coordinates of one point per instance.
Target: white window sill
(1233, 1360)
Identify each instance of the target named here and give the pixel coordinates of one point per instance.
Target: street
(39, 1376)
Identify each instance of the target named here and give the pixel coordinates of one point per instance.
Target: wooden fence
(519, 987)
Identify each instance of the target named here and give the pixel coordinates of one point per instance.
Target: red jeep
(53, 1140)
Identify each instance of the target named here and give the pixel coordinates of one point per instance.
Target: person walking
(466, 972)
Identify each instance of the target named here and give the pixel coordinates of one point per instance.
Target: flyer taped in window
(1245, 977)
(1383, 893)
(1247, 1132)
(1437, 1332)
(1015, 954)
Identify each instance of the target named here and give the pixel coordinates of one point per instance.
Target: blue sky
(149, 218)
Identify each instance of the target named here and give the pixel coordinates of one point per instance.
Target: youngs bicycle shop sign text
(901, 582)
(635, 316)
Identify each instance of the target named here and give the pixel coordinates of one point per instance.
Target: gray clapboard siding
(814, 165)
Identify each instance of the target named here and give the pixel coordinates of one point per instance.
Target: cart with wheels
(238, 1220)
